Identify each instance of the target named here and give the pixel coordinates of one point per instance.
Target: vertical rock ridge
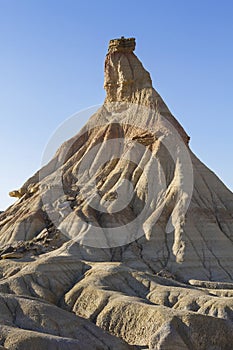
(126, 80)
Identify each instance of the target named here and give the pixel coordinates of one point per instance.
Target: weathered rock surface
(75, 273)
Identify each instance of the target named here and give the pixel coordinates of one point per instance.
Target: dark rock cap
(122, 45)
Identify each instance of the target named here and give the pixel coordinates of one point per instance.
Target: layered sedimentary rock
(124, 236)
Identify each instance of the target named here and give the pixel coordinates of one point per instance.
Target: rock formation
(124, 239)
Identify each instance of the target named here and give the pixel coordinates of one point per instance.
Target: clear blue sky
(51, 66)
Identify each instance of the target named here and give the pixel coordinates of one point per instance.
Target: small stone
(42, 235)
(15, 193)
(13, 255)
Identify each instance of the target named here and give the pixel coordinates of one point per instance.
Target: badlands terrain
(124, 240)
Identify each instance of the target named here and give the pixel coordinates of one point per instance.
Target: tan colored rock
(13, 255)
(156, 289)
(16, 193)
(122, 45)
(168, 337)
(33, 188)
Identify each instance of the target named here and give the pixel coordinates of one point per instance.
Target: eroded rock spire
(125, 76)
(126, 80)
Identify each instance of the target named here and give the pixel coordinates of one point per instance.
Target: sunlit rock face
(126, 80)
(124, 239)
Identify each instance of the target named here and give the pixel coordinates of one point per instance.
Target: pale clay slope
(53, 295)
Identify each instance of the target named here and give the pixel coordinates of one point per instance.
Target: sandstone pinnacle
(126, 80)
